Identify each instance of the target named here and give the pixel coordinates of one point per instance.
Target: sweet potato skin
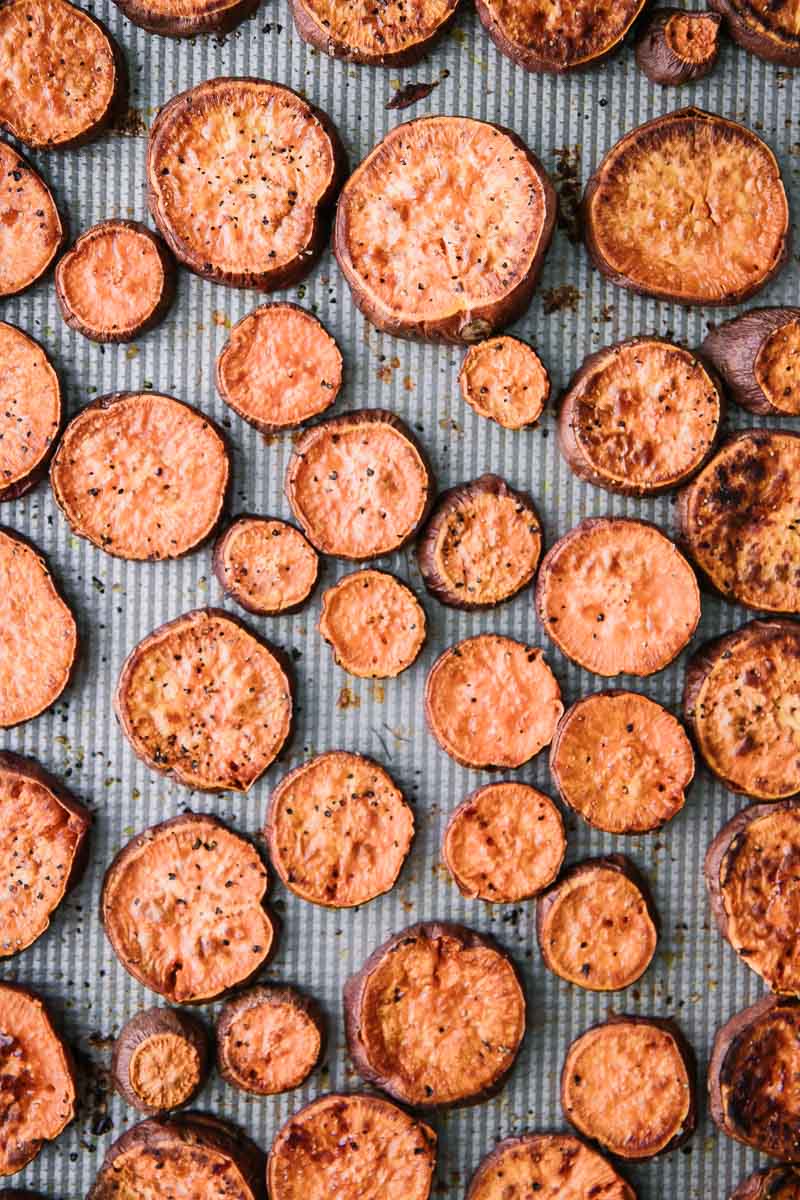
(220, 17)
(150, 1023)
(657, 58)
(554, 62)
(254, 997)
(311, 30)
(751, 35)
(22, 486)
(733, 348)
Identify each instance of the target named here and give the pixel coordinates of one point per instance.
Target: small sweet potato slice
(31, 230)
(240, 175)
(37, 1078)
(266, 565)
(556, 38)
(202, 699)
(758, 356)
(617, 596)
(677, 46)
(546, 1164)
(473, 713)
(598, 926)
(279, 367)
(338, 830)
(622, 761)
(30, 411)
(765, 29)
(354, 1147)
(639, 417)
(689, 207)
(141, 475)
(774, 1183)
(359, 484)
(40, 638)
(481, 544)
(182, 906)
(629, 1084)
(269, 1039)
(160, 1060)
(504, 380)
(394, 33)
(737, 520)
(374, 623)
(442, 230)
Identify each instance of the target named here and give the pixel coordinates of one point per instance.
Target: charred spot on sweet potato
(374, 623)
(504, 380)
(557, 37)
(396, 32)
(30, 411)
(31, 231)
(269, 1039)
(677, 46)
(266, 565)
(159, 1060)
(548, 1164)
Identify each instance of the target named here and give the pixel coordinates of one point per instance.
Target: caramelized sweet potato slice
(774, 1183)
(31, 231)
(182, 906)
(677, 46)
(442, 230)
(394, 33)
(758, 356)
(269, 1039)
(30, 411)
(160, 1060)
(689, 207)
(374, 623)
(186, 18)
(504, 380)
(616, 596)
(546, 1164)
(436, 1016)
(266, 565)
(769, 30)
(543, 36)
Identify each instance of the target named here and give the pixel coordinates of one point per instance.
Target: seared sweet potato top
(549, 1167)
(564, 33)
(367, 32)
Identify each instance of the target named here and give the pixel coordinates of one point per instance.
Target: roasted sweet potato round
(435, 1017)
(186, 18)
(763, 28)
(160, 1060)
(394, 33)
(350, 1147)
(629, 1084)
(442, 230)
(504, 380)
(622, 761)
(473, 713)
(141, 475)
(338, 830)
(31, 230)
(598, 926)
(546, 1164)
(38, 1078)
(237, 215)
(374, 623)
(677, 46)
(774, 1183)
(616, 596)
(202, 699)
(182, 906)
(556, 38)
(266, 565)
(689, 207)
(639, 417)
(269, 1039)
(359, 484)
(504, 843)
(758, 356)
(30, 411)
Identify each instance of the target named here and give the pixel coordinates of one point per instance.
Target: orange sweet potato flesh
(269, 1039)
(396, 32)
(159, 1060)
(504, 380)
(186, 18)
(374, 623)
(561, 36)
(30, 411)
(31, 232)
(777, 368)
(771, 31)
(266, 565)
(552, 1166)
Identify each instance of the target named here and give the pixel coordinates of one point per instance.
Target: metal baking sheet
(570, 122)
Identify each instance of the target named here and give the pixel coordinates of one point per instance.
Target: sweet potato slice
(758, 356)
(182, 906)
(266, 565)
(504, 380)
(436, 1016)
(774, 1183)
(629, 1084)
(504, 843)
(615, 595)
(204, 700)
(374, 623)
(542, 36)
(473, 713)
(622, 761)
(39, 639)
(269, 1039)
(338, 830)
(141, 475)
(677, 46)
(548, 1165)
(689, 207)
(394, 33)
(160, 1060)
(639, 417)
(354, 1147)
(738, 519)
(240, 174)
(186, 18)
(30, 411)
(31, 231)
(442, 230)
(598, 926)
(37, 1079)
(766, 29)
(279, 367)
(481, 544)
(359, 484)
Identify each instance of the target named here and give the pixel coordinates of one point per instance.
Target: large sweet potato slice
(504, 380)
(392, 33)
(758, 356)
(374, 623)
(160, 1060)
(764, 28)
(556, 37)
(774, 1183)
(546, 1165)
(269, 1039)
(31, 231)
(30, 411)
(266, 565)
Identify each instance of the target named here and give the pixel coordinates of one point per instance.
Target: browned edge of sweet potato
(659, 58)
(733, 346)
(492, 1163)
(540, 58)
(320, 35)
(254, 997)
(236, 594)
(752, 32)
(146, 1024)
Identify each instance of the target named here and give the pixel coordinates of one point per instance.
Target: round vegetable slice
(31, 231)
(629, 1084)
(40, 638)
(713, 227)
(615, 595)
(395, 33)
(639, 417)
(266, 565)
(678, 46)
(160, 1060)
(374, 623)
(598, 927)
(556, 38)
(359, 484)
(30, 411)
(473, 713)
(775, 1183)
(504, 380)
(43, 831)
(237, 215)
(279, 367)
(38, 1078)
(354, 1147)
(442, 230)
(204, 700)
(546, 1164)
(768, 30)
(141, 475)
(481, 545)
(758, 356)
(269, 1040)
(338, 830)
(622, 761)
(182, 906)
(436, 1016)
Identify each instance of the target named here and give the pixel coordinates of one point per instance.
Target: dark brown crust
(733, 347)
(230, 14)
(150, 1022)
(236, 594)
(764, 1185)
(22, 486)
(521, 1141)
(26, 165)
(532, 60)
(659, 60)
(253, 998)
(753, 36)
(315, 34)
